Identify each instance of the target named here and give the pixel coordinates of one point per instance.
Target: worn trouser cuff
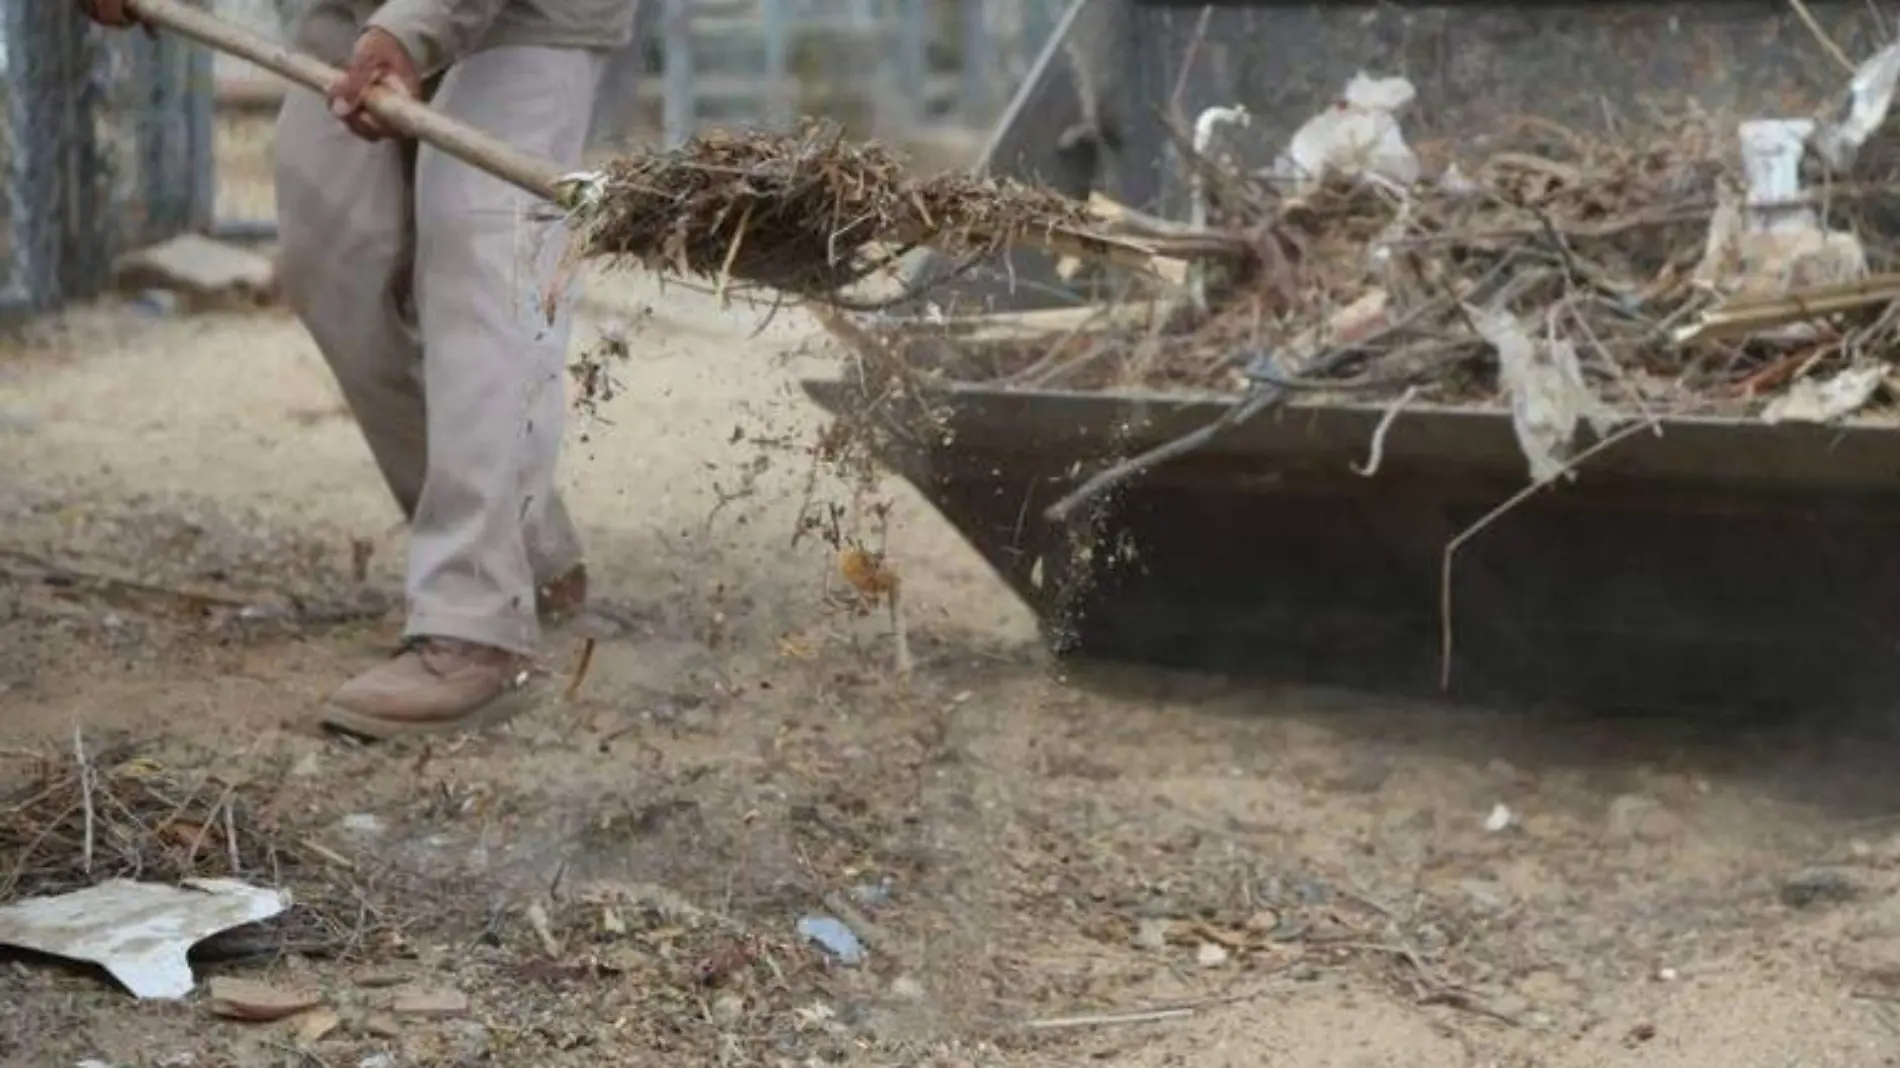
(520, 635)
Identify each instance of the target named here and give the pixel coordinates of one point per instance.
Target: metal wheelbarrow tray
(1723, 563)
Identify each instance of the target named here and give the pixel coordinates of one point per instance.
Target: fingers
(346, 96)
(350, 103)
(107, 12)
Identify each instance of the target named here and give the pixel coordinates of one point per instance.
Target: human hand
(379, 59)
(108, 13)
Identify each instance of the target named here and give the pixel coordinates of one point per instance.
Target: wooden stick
(1739, 318)
(403, 114)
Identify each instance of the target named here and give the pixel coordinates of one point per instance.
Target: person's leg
(494, 364)
(493, 367)
(347, 245)
(345, 238)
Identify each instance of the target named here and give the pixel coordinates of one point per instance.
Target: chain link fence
(105, 146)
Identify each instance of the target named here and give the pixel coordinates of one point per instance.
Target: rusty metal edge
(1049, 430)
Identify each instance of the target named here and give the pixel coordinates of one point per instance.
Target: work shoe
(562, 595)
(433, 685)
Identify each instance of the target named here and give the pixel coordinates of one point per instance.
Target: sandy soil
(1048, 865)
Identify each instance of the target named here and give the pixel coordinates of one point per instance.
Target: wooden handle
(410, 117)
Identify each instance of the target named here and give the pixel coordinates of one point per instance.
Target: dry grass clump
(808, 214)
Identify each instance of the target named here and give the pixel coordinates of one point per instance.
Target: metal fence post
(973, 98)
(678, 113)
(913, 35)
(776, 28)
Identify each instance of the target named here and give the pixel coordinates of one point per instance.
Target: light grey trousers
(425, 284)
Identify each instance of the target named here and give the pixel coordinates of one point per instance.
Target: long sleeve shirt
(437, 33)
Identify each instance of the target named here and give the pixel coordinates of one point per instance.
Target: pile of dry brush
(85, 816)
(1365, 289)
(808, 215)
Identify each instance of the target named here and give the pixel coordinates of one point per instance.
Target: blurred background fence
(107, 145)
(111, 141)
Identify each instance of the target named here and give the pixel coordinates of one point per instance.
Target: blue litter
(833, 937)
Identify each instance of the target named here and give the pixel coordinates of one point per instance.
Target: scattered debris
(1575, 279)
(1824, 401)
(140, 933)
(245, 999)
(1818, 886)
(1499, 818)
(316, 1025)
(834, 938)
(1549, 398)
(1358, 138)
(436, 1003)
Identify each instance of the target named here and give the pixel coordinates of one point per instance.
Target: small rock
(429, 1003)
(907, 988)
(1817, 886)
(1499, 819)
(469, 1041)
(1633, 818)
(1210, 955)
(1487, 897)
(832, 936)
(1262, 922)
(382, 1025)
(728, 1008)
(871, 895)
(380, 979)
(1151, 932)
(1667, 975)
(242, 999)
(378, 1060)
(363, 823)
(316, 1025)
(1365, 775)
(1504, 771)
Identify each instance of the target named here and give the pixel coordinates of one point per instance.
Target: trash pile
(114, 859)
(1715, 268)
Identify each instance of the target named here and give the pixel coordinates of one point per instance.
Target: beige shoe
(562, 596)
(435, 685)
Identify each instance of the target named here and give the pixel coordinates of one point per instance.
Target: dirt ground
(1045, 864)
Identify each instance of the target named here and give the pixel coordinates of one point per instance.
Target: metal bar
(913, 32)
(974, 101)
(679, 113)
(776, 19)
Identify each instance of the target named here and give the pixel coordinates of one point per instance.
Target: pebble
(832, 936)
(1634, 818)
(1817, 886)
(727, 1008)
(907, 988)
(363, 823)
(1487, 897)
(1210, 955)
(1499, 819)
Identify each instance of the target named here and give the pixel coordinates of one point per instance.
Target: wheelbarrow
(1717, 563)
